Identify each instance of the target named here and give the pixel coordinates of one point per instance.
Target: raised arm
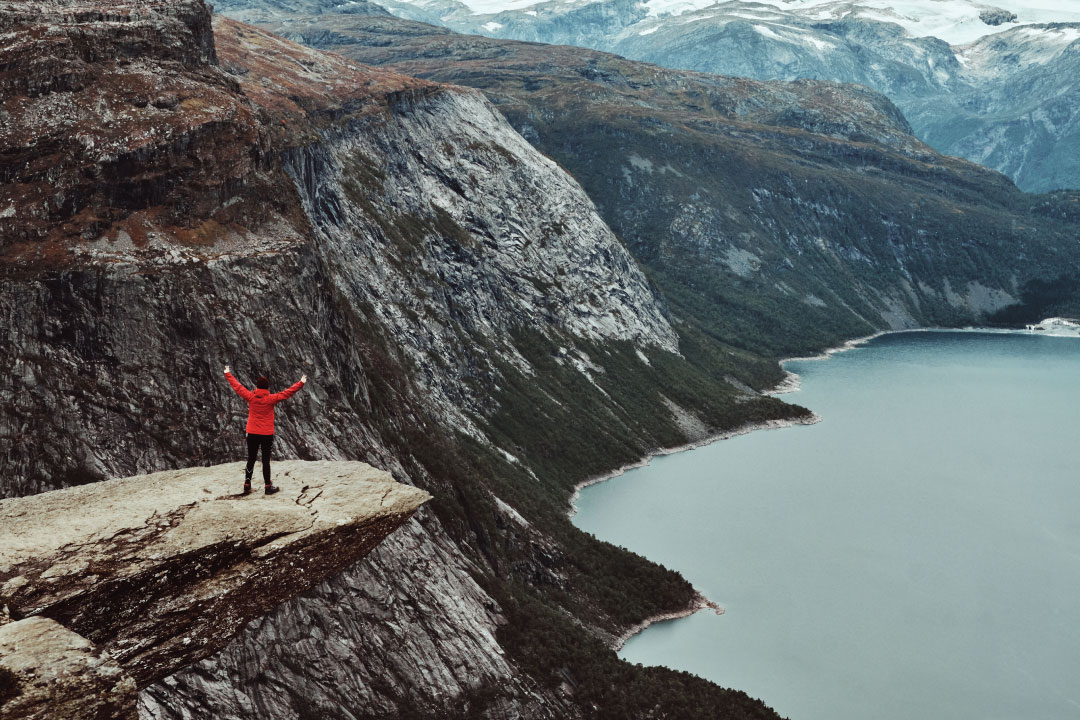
(287, 392)
(240, 389)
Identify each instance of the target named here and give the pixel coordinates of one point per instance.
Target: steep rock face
(150, 328)
(409, 628)
(267, 239)
(509, 243)
(807, 205)
(370, 240)
(115, 119)
(1021, 113)
(161, 570)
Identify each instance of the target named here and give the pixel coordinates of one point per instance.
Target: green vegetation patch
(548, 644)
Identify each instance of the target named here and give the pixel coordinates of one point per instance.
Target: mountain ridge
(671, 157)
(865, 43)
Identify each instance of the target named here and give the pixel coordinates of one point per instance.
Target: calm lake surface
(914, 556)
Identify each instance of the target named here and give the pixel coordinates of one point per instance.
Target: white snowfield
(956, 22)
(1056, 326)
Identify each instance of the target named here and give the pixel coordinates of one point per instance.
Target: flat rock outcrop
(159, 571)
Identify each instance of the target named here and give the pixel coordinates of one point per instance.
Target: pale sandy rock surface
(60, 674)
(162, 570)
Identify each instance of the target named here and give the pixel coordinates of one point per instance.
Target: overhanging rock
(159, 571)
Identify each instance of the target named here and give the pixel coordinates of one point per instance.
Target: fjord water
(914, 555)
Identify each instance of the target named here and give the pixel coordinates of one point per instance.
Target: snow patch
(675, 7)
(640, 163)
(766, 31)
(957, 22)
(818, 44)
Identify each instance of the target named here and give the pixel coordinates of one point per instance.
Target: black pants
(254, 443)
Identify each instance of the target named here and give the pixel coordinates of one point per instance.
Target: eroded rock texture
(170, 210)
(162, 570)
(408, 623)
(774, 213)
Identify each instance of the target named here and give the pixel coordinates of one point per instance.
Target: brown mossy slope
(123, 122)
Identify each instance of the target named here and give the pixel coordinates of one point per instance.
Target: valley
(506, 267)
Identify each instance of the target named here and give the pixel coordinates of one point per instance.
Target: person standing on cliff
(260, 423)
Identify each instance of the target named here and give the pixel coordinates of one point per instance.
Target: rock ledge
(159, 571)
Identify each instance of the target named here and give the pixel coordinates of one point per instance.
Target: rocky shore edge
(745, 429)
(699, 603)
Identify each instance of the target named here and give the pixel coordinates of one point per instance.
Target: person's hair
(262, 382)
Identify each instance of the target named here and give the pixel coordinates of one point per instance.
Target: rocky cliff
(156, 572)
(777, 216)
(449, 290)
(1020, 109)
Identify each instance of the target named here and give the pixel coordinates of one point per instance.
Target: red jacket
(260, 405)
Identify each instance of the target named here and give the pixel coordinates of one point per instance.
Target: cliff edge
(156, 572)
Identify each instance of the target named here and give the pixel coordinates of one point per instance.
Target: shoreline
(697, 604)
(699, 601)
(744, 429)
(789, 384)
(793, 383)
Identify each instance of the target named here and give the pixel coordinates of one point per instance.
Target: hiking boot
(247, 489)
(271, 489)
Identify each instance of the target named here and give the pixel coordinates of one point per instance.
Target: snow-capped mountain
(992, 82)
(957, 22)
